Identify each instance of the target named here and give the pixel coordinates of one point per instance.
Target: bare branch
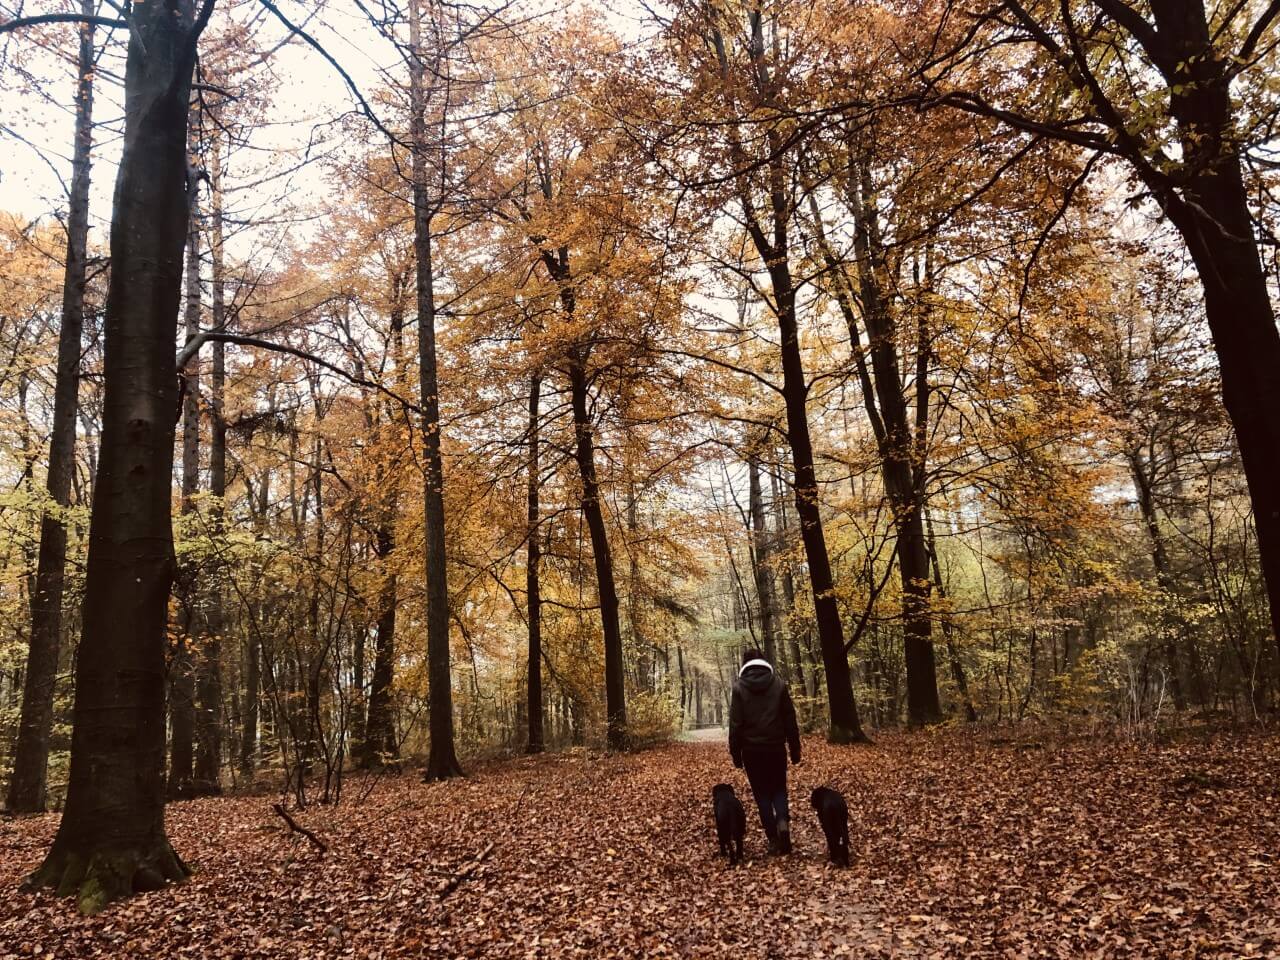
(311, 41)
(193, 345)
(35, 21)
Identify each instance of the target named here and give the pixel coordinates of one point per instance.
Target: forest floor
(964, 844)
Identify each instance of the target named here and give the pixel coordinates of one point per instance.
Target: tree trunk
(31, 751)
(1217, 227)
(1172, 627)
(948, 629)
(253, 654)
(533, 583)
(808, 681)
(640, 646)
(593, 513)
(209, 664)
(111, 839)
(684, 686)
(761, 559)
(844, 726)
(182, 690)
(380, 744)
(442, 762)
(772, 245)
(902, 472)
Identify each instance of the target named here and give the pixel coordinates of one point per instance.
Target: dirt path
(960, 848)
(706, 735)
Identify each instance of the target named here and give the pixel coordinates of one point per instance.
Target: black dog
(731, 821)
(833, 814)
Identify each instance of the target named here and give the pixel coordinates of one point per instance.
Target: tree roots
(101, 876)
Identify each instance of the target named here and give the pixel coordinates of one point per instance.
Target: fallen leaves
(959, 848)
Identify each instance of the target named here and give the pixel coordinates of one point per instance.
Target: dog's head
(721, 790)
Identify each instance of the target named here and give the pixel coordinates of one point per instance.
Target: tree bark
(31, 751)
(209, 664)
(253, 653)
(593, 513)
(902, 471)
(1214, 219)
(533, 585)
(948, 629)
(761, 560)
(442, 763)
(111, 839)
(844, 726)
(182, 690)
(1203, 194)
(380, 746)
(781, 534)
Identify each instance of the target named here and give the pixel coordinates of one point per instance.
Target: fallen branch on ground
(451, 885)
(298, 828)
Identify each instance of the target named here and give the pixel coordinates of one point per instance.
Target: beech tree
(111, 838)
(31, 752)
(735, 115)
(1188, 143)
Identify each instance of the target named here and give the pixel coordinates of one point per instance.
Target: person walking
(762, 728)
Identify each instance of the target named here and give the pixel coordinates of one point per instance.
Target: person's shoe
(774, 849)
(784, 835)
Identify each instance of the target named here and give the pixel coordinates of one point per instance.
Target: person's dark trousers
(766, 769)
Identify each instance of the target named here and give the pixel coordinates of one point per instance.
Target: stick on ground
(298, 828)
(452, 884)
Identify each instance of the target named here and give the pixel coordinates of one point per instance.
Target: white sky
(309, 94)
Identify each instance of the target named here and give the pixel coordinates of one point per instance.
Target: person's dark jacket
(761, 713)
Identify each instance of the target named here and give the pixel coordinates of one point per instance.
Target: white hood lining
(756, 663)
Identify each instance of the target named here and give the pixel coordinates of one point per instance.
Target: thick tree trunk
(1243, 325)
(593, 513)
(111, 839)
(442, 763)
(31, 751)
(533, 584)
(1218, 229)
(771, 241)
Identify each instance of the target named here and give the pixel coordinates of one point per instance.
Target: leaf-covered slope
(959, 848)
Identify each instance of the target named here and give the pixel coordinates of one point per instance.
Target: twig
(451, 885)
(298, 828)
(515, 813)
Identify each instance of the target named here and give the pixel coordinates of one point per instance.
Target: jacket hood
(756, 675)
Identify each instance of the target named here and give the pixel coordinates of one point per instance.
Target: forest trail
(707, 735)
(961, 847)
